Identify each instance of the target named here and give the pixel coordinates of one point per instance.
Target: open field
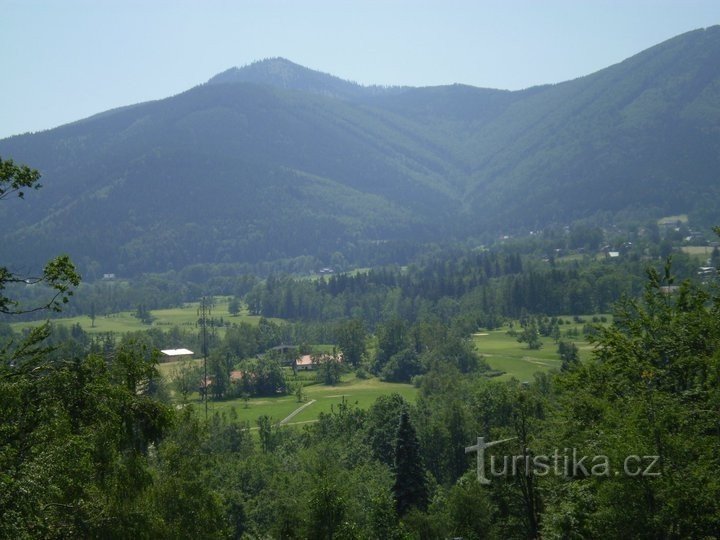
(503, 352)
(362, 392)
(125, 321)
(672, 220)
(697, 250)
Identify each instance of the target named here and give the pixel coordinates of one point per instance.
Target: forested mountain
(274, 160)
(282, 73)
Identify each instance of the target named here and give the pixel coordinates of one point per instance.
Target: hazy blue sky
(63, 60)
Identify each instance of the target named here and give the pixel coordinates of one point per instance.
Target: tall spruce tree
(410, 488)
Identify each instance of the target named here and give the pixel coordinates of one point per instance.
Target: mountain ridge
(282, 73)
(254, 167)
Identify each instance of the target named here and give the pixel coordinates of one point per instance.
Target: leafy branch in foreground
(14, 178)
(59, 273)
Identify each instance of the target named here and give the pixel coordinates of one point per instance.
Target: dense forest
(91, 448)
(621, 445)
(276, 162)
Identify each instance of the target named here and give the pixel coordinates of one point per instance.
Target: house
(168, 355)
(305, 363)
(308, 362)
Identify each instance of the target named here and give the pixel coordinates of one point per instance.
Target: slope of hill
(282, 73)
(275, 160)
(640, 134)
(225, 172)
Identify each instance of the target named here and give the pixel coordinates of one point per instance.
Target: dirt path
(295, 412)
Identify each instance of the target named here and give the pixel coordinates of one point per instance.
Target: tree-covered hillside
(274, 160)
(640, 134)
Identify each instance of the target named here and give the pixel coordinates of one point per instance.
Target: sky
(63, 60)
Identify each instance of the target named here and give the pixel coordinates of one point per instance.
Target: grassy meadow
(702, 251)
(501, 351)
(317, 398)
(504, 353)
(126, 321)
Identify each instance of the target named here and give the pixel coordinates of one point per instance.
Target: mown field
(504, 353)
(703, 251)
(317, 398)
(501, 350)
(126, 321)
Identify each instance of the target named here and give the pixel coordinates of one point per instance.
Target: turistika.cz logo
(567, 463)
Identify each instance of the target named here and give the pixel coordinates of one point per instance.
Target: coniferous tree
(569, 354)
(410, 488)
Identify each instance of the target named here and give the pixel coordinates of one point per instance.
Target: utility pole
(204, 312)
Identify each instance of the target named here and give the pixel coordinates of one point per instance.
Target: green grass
(682, 218)
(362, 392)
(276, 408)
(125, 321)
(502, 352)
(571, 258)
(697, 250)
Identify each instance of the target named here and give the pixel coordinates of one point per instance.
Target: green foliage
(299, 394)
(75, 463)
(144, 314)
(382, 423)
(59, 274)
(186, 376)
(16, 178)
(393, 338)
(410, 487)
(327, 510)
(267, 434)
(401, 367)
(351, 341)
(234, 306)
(649, 392)
(530, 335)
(218, 367)
(569, 355)
(262, 377)
(329, 369)
(470, 512)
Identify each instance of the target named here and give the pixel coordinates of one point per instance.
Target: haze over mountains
(275, 160)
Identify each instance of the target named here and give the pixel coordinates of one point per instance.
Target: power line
(204, 311)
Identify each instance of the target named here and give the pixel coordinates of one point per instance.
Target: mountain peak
(277, 69)
(282, 73)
